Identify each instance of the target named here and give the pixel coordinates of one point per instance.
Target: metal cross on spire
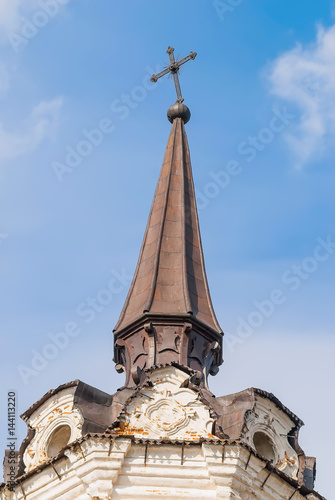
(174, 69)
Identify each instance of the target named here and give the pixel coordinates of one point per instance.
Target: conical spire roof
(170, 277)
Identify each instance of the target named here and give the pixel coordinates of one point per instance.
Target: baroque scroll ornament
(167, 410)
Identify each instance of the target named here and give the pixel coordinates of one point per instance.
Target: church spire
(168, 314)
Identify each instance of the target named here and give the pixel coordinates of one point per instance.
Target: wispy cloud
(41, 124)
(305, 76)
(11, 12)
(21, 20)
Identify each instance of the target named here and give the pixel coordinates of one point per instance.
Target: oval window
(264, 445)
(58, 439)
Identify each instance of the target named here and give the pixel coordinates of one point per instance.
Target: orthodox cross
(174, 69)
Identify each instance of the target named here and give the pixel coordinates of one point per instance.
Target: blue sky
(261, 93)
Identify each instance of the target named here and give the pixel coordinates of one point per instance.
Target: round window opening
(58, 439)
(264, 445)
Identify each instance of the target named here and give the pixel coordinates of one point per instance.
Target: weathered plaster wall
(102, 469)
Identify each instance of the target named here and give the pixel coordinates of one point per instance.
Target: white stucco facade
(55, 414)
(267, 422)
(130, 470)
(163, 446)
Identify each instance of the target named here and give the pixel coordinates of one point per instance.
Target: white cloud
(11, 12)
(41, 124)
(305, 77)
(21, 20)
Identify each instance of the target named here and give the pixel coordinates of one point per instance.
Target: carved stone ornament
(266, 430)
(55, 423)
(167, 410)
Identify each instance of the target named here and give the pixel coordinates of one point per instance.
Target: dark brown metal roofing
(170, 276)
(233, 409)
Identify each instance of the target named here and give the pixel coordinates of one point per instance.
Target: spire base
(178, 110)
(157, 339)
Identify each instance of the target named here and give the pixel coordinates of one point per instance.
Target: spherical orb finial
(178, 110)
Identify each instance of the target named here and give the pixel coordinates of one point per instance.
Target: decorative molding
(151, 470)
(167, 409)
(266, 418)
(53, 414)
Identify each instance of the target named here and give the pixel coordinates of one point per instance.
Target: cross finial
(174, 69)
